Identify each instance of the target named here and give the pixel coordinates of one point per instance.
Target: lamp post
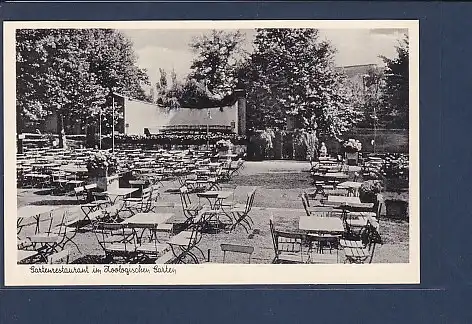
(364, 86)
(100, 127)
(113, 124)
(208, 129)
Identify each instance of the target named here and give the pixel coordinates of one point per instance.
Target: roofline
(356, 65)
(134, 99)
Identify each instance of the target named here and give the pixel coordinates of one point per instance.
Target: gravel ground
(279, 185)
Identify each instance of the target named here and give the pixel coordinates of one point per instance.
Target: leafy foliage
(72, 72)
(217, 56)
(396, 92)
(292, 73)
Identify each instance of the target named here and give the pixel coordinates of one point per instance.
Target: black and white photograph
(215, 150)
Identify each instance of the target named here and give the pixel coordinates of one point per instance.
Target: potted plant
(369, 192)
(102, 169)
(224, 146)
(352, 148)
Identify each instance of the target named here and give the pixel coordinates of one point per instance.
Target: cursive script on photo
(107, 269)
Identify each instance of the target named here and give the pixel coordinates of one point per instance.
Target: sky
(169, 49)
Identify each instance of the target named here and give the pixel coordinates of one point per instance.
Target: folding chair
(86, 204)
(241, 215)
(149, 248)
(52, 240)
(361, 251)
(190, 210)
(288, 247)
(115, 241)
(319, 243)
(139, 204)
(183, 244)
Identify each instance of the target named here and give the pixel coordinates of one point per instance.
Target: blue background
(446, 163)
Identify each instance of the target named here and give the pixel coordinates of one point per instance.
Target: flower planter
(397, 209)
(352, 158)
(105, 182)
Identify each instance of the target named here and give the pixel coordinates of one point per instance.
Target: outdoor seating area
(190, 206)
(272, 151)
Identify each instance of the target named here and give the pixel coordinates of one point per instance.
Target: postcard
(211, 152)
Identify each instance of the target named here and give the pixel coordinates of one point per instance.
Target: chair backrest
(236, 248)
(381, 201)
(59, 256)
(197, 233)
(272, 233)
(146, 193)
(104, 230)
(324, 211)
(305, 203)
(250, 202)
(184, 197)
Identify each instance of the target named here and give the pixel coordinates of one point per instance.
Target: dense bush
(395, 166)
(188, 138)
(369, 190)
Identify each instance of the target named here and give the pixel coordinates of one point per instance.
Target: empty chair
(241, 215)
(116, 241)
(236, 248)
(320, 244)
(87, 204)
(148, 248)
(361, 251)
(288, 247)
(139, 204)
(189, 209)
(184, 244)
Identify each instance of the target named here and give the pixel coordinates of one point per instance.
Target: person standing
(323, 150)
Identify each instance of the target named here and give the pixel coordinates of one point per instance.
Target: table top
(120, 191)
(45, 165)
(350, 184)
(148, 218)
(22, 254)
(215, 194)
(326, 158)
(338, 175)
(30, 210)
(321, 224)
(72, 169)
(344, 199)
(227, 155)
(36, 175)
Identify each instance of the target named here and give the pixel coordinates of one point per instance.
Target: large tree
(217, 56)
(363, 93)
(72, 73)
(54, 76)
(396, 91)
(291, 75)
